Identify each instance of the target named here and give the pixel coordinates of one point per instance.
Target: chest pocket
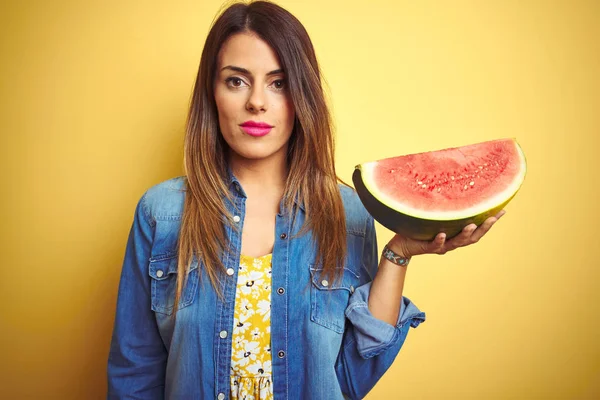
(163, 273)
(330, 299)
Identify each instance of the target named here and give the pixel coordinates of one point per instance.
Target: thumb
(427, 246)
(411, 247)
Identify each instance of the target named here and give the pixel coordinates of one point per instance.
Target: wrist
(394, 257)
(398, 247)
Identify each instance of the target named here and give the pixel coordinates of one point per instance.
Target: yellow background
(92, 109)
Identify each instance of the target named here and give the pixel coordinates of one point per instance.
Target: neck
(264, 175)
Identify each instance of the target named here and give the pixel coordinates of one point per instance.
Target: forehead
(248, 51)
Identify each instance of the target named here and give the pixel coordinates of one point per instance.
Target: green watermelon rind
(425, 225)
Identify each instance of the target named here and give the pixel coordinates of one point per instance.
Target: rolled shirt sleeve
(370, 345)
(374, 336)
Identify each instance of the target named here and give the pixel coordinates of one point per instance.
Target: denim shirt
(325, 344)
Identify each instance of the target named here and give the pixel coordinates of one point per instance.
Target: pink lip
(256, 129)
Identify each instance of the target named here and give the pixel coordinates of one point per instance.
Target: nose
(256, 101)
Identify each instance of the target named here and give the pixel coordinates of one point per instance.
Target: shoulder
(165, 199)
(357, 217)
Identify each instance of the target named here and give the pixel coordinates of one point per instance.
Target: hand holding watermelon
(471, 234)
(450, 191)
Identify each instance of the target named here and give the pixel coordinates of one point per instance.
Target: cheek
(287, 112)
(226, 106)
(221, 104)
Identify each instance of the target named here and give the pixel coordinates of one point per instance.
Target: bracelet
(395, 258)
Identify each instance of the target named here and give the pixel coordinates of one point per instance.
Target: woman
(257, 275)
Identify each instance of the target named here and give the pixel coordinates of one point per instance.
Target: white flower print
(254, 278)
(238, 341)
(256, 369)
(241, 360)
(264, 309)
(256, 333)
(266, 391)
(251, 368)
(251, 347)
(246, 307)
(242, 325)
(248, 354)
(267, 367)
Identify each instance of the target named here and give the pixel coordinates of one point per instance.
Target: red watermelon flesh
(454, 187)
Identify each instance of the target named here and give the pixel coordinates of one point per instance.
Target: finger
(483, 229)
(464, 237)
(500, 214)
(437, 244)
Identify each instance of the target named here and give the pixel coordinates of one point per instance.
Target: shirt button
(236, 218)
(324, 283)
(229, 271)
(283, 236)
(223, 334)
(281, 354)
(281, 290)
(351, 289)
(221, 396)
(159, 273)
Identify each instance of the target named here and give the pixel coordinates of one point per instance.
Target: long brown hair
(312, 178)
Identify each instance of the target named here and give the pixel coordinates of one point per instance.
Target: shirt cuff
(374, 336)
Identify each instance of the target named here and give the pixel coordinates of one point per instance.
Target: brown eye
(279, 84)
(234, 82)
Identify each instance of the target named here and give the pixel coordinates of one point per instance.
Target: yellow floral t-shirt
(251, 353)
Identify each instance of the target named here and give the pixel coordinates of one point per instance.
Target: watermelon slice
(421, 195)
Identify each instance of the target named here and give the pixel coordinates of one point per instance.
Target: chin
(256, 153)
(253, 154)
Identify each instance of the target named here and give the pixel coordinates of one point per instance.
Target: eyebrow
(245, 71)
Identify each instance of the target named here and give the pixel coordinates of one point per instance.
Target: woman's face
(250, 92)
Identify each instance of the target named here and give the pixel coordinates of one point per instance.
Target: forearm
(379, 319)
(385, 296)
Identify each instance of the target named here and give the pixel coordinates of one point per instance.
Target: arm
(137, 359)
(385, 297)
(371, 344)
